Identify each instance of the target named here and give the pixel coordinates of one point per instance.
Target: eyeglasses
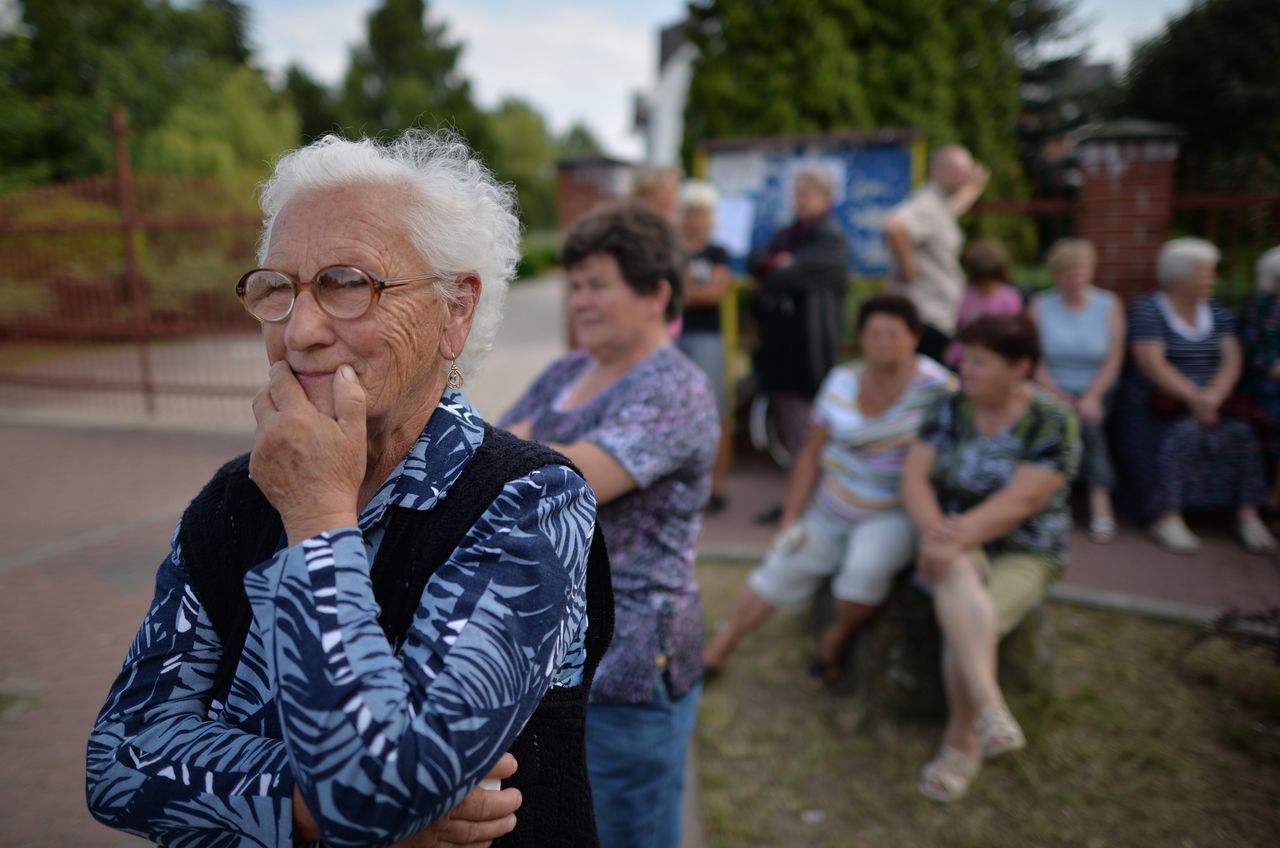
(342, 291)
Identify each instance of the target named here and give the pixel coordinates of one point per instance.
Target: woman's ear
(459, 315)
(661, 298)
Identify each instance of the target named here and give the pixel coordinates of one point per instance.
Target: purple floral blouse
(660, 423)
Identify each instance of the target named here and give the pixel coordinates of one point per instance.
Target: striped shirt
(1196, 352)
(862, 459)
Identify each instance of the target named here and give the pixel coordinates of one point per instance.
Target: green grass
(1134, 749)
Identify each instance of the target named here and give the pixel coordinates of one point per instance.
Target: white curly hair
(1269, 271)
(464, 220)
(1178, 259)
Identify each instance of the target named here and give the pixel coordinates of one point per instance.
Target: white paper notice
(735, 217)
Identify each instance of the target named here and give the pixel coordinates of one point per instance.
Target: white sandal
(1102, 529)
(1255, 536)
(998, 731)
(947, 776)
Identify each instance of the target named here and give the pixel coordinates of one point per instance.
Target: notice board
(872, 172)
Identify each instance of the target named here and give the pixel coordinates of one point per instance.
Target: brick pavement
(86, 518)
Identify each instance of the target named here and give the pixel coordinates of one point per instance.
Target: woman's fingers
(263, 405)
(503, 769)
(349, 402)
(283, 386)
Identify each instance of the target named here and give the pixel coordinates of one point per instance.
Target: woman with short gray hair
(1184, 448)
(798, 303)
(1260, 333)
(1082, 339)
(358, 620)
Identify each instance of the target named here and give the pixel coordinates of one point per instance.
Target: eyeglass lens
(342, 292)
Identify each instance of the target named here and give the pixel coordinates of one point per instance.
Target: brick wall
(584, 184)
(1125, 204)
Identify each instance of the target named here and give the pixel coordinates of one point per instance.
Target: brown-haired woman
(638, 417)
(986, 485)
(843, 516)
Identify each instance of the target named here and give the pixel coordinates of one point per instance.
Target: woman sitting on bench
(986, 485)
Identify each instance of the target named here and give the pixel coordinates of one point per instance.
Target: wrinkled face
(987, 377)
(811, 201)
(606, 312)
(1199, 283)
(695, 224)
(1073, 278)
(395, 348)
(886, 341)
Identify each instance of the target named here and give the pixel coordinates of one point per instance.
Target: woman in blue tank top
(1082, 339)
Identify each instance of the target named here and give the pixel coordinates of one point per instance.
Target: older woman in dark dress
(1260, 333)
(1182, 447)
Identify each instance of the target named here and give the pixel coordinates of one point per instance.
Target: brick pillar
(584, 183)
(1126, 199)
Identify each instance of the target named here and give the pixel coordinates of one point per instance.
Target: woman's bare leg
(959, 732)
(749, 612)
(968, 623)
(849, 616)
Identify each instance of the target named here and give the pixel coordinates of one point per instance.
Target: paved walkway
(1130, 573)
(89, 497)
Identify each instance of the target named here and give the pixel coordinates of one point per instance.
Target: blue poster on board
(756, 195)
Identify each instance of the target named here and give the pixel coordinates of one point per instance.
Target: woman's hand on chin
(309, 465)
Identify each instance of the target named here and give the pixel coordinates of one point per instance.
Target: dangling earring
(455, 376)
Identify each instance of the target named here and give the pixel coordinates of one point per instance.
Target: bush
(539, 254)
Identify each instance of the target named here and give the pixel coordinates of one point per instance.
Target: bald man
(924, 240)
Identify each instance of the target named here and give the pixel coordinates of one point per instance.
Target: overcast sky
(576, 59)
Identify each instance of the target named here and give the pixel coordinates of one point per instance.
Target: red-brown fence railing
(124, 283)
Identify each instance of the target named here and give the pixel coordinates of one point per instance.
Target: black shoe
(770, 516)
(716, 504)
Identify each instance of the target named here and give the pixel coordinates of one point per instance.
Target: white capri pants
(863, 557)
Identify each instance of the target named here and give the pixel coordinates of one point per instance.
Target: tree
(315, 104)
(200, 137)
(1213, 72)
(579, 141)
(942, 66)
(69, 63)
(829, 65)
(406, 75)
(524, 152)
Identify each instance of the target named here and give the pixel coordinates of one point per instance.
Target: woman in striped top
(842, 515)
(1183, 449)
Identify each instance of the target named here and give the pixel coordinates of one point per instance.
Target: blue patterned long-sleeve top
(379, 744)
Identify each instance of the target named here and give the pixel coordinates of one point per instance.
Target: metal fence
(116, 294)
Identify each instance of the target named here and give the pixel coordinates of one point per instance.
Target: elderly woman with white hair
(707, 280)
(799, 306)
(1183, 448)
(358, 620)
(1260, 333)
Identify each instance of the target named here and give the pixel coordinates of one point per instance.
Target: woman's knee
(961, 574)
